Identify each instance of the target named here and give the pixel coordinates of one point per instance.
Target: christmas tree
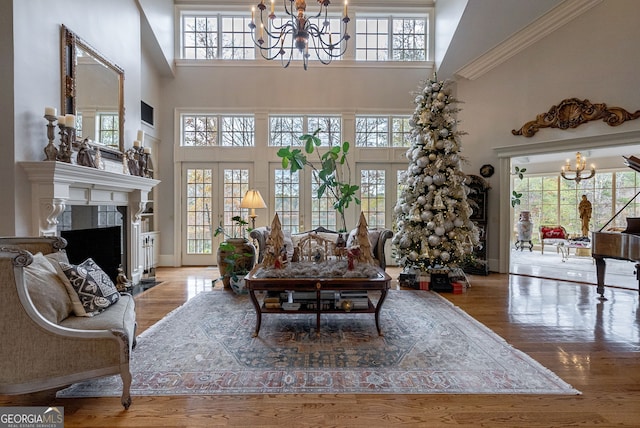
(432, 213)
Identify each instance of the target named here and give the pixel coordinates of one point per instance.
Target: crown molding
(538, 29)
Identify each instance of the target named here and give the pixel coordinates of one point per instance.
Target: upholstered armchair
(44, 345)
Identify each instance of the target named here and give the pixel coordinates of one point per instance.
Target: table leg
(256, 305)
(318, 310)
(383, 295)
(601, 267)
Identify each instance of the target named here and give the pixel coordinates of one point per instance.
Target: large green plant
(331, 171)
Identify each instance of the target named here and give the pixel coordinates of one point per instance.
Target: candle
(141, 136)
(136, 143)
(70, 121)
(345, 8)
(261, 31)
(50, 111)
(61, 120)
(253, 11)
(273, 6)
(147, 150)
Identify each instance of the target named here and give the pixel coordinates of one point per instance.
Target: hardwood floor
(594, 346)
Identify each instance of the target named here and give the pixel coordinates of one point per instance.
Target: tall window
(222, 130)
(372, 190)
(108, 131)
(391, 39)
(199, 203)
(374, 131)
(285, 130)
(216, 37)
(235, 185)
(287, 199)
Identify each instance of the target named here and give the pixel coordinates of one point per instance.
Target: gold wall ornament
(572, 112)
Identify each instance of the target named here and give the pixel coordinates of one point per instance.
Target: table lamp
(253, 199)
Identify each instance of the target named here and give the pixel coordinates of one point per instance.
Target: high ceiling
(482, 25)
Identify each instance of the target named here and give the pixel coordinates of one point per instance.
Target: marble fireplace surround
(56, 185)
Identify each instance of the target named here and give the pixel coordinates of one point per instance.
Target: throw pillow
(46, 291)
(61, 257)
(94, 287)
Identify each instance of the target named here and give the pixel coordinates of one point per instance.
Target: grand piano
(623, 245)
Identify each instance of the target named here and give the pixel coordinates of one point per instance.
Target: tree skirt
(429, 347)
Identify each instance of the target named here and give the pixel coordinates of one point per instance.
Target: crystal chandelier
(300, 32)
(581, 163)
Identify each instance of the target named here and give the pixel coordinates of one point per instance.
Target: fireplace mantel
(55, 185)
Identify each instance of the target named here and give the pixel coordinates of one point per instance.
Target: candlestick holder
(64, 152)
(51, 151)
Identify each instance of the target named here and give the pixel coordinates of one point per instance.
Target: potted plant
(236, 254)
(331, 171)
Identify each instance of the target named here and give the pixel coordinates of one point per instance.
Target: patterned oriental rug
(429, 347)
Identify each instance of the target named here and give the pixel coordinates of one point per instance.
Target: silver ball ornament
(433, 240)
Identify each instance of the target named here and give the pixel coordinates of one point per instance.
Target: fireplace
(102, 244)
(58, 185)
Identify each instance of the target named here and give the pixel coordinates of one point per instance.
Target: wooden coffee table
(380, 283)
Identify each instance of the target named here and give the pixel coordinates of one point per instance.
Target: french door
(211, 196)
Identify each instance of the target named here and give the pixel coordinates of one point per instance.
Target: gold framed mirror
(93, 90)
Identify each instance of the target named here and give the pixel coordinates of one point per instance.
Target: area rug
(429, 347)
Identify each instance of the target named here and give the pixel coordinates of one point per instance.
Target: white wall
(111, 27)
(594, 57)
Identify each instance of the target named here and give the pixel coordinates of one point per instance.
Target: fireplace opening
(97, 232)
(102, 244)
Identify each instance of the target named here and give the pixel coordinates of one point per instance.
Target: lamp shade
(252, 199)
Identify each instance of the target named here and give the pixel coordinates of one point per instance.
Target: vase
(238, 285)
(524, 227)
(243, 256)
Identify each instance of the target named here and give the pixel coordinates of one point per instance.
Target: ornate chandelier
(581, 163)
(298, 32)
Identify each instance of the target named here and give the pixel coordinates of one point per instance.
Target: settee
(45, 345)
(377, 237)
(552, 235)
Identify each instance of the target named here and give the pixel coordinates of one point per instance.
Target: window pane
(285, 130)
(286, 188)
(372, 188)
(322, 211)
(199, 225)
(236, 184)
(237, 131)
(372, 131)
(329, 129)
(199, 37)
(199, 130)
